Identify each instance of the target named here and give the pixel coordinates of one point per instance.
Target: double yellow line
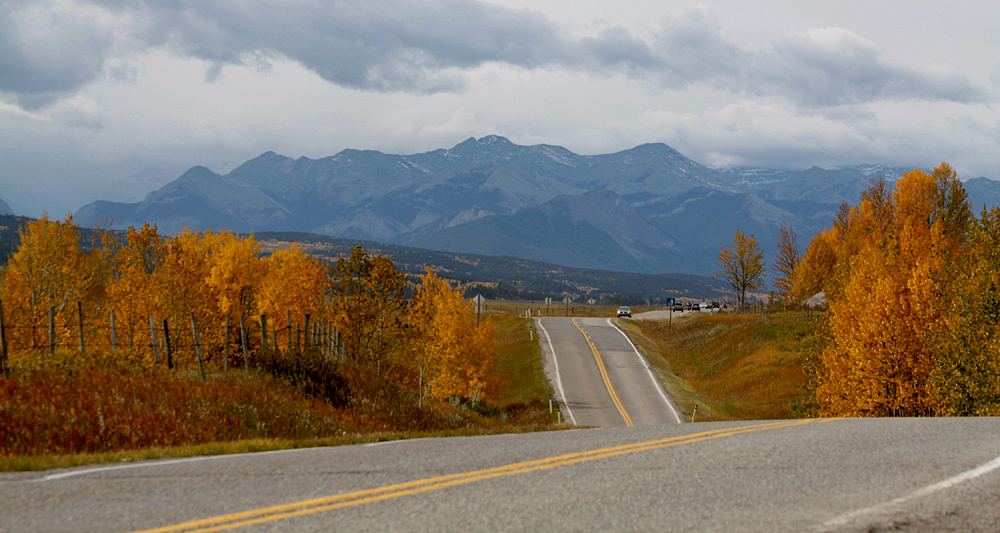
(604, 375)
(329, 503)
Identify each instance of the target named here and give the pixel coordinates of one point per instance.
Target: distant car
(704, 306)
(624, 311)
(693, 307)
(678, 306)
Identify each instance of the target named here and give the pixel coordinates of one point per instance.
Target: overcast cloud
(78, 76)
(57, 46)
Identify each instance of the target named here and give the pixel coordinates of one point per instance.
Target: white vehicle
(705, 306)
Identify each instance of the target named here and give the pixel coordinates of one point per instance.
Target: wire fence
(173, 343)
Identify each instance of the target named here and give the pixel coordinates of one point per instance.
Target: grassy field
(61, 418)
(733, 367)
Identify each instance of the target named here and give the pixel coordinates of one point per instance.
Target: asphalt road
(599, 376)
(838, 475)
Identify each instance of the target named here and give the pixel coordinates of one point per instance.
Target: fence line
(310, 334)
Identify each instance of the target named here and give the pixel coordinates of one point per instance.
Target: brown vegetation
(339, 353)
(733, 366)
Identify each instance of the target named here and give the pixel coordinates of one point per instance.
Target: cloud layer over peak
(54, 47)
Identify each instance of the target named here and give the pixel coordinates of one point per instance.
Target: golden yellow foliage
(885, 305)
(742, 265)
(293, 283)
(51, 269)
(452, 354)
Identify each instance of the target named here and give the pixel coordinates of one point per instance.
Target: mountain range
(647, 209)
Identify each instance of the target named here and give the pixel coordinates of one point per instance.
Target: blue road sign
(670, 302)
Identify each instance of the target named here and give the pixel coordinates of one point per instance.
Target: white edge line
(930, 489)
(555, 360)
(144, 464)
(659, 387)
(396, 441)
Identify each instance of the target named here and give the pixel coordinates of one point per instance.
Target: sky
(111, 99)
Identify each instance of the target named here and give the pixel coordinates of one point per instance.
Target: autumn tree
(815, 271)
(51, 269)
(742, 265)
(235, 275)
(293, 284)
(880, 362)
(369, 308)
(183, 289)
(132, 291)
(966, 377)
(451, 353)
(785, 262)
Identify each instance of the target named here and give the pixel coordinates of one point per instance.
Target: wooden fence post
(288, 321)
(305, 333)
(263, 333)
(243, 339)
(114, 335)
(166, 344)
(3, 346)
(197, 348)
(225, 344)
(152, 333)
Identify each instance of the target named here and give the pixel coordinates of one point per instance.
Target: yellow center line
(318, 505)
(604, 375)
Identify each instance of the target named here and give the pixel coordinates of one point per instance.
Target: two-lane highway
(600, 377)
(785, 475)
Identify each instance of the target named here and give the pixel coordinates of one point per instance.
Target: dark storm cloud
(823, 67)
(833, 66)
(45, 53)
(423, 45)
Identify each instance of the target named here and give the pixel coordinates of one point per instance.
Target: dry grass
(59, 416)
(733, 367)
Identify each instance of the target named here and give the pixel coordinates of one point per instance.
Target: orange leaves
(369, 308)
(893, 257)
(292, 281)
(50, 269)
(452, 354)
(235, 275)
(215, 276)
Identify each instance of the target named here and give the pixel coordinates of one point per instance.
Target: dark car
(678, 306)
(624, 311)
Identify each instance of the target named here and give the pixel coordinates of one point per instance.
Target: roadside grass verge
(733, 367)
(20, 463)
(517, 371)
(58, 415)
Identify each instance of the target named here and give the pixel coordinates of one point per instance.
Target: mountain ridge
(492, 196)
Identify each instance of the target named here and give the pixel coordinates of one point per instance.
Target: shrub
(309, 370)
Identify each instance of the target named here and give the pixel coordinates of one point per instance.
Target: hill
(493, 277)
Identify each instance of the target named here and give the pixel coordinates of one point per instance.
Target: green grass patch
(517, 371)
(733, 367)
